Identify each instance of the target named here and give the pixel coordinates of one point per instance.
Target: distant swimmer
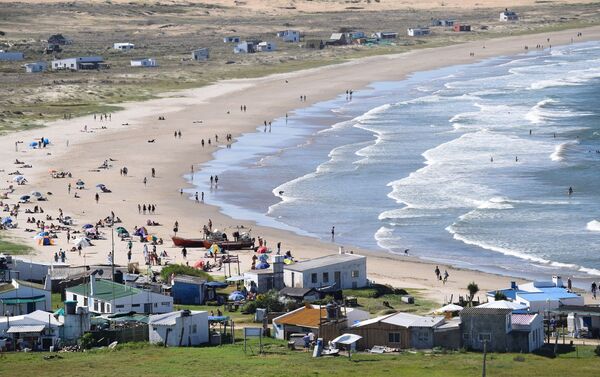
(492, 159)
(516, 158)
(570, 191)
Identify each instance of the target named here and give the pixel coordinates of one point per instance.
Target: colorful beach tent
(236, 296)
(262, 250)
(87, 226)
(6, 220)
(45, 241)
(19, 178)
(262, 266)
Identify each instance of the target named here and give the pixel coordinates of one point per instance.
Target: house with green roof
(22, 297)
(105, 296)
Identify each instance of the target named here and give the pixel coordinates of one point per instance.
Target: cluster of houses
(131, 306)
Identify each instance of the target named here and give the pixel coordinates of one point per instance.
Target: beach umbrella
(263, 258)
(18, 178)
(25, 198)
(41, 235)
(236, 296)
(121, 230)
(262, 250)
(80, 182)
(33, 144)
(37, 194)
(87, 226)
(6, 220)
(101, 186)
(91, 231)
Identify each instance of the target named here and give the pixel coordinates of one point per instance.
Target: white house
(22, 297)
(530, 326)
(201, 54)
(261, 281)
(105, 296)
(181, 328)
(266, 46)
(245, 48)
(123, 46)
(144, 62)
(385, 35)
(508, 15)
(35, 67)
(79, 63)
(343, 270)
(10, 56)
(539, 296)
(231, 39)
(33, 330)
(418, 31)
(289, 35)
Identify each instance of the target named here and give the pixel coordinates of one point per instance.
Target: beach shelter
(36, 194)
(6, 220)
(141, 232)
(122, 231)
(41, 235)
(236, 296)
(33, 144)
(101, 186)
(24, 198)
(45, 241)
(80, 183)
(83, 242)
(19, 178)
(87, 226)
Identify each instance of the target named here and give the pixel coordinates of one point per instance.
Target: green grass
(230, 360)
(372, 300)
(12, 248)
(56, 301)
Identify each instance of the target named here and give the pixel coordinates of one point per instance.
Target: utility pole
(484, 356)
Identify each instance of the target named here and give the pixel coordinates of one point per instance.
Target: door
(338, 279)
(148, 308)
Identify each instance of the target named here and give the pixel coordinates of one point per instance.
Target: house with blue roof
(539, 295)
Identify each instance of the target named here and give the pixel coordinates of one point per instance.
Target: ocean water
(468, 165)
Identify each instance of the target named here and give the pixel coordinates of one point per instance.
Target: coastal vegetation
(138, 359)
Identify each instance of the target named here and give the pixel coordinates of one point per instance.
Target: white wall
(304, 279)
(195, 331)
(160, 303)
(25, 291)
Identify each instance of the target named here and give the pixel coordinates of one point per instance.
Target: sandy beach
(200, 114)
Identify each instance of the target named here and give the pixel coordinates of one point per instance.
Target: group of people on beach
(104, 117)
(439, 276)
(142, 208)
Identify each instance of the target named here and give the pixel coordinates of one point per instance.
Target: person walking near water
(97, 198)
(211, 180)
(145, 181)
(445, 276)
(153, 171)
(332, 233)
(570, 191)
(437, 272)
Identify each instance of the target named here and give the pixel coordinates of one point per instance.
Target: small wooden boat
(225, 245)
(188, 242)
(230, 245)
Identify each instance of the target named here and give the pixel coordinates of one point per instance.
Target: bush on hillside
(180, 269)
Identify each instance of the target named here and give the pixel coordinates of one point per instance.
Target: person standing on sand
(184, 253)
(202, 143)
(202, 196)
(145, 181)
(153, 171)
(211, 181)
(445, 276)
(437, 272)
(97, 198)
(210, 225)
(139, 208)
(69, 189)
(196, 196)
(332, 233)
(216, 180)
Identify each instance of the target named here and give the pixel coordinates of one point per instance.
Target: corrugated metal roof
(371, 321)
(523, 319)
(412, 320)
(26, 328)
(106, 290)
(326, 260)
(305, 317)
(484, 311)
(170, 319)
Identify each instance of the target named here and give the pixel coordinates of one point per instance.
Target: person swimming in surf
(570, 190)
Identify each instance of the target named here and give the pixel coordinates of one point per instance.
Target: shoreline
(126, 141)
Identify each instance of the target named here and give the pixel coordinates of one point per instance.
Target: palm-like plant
(473, 288)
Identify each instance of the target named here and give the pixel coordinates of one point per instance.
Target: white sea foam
(561, 150)
(593, 226)
(536, 115)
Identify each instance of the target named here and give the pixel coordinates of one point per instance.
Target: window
(485, 336)
(466, 336)
(166, 303)
(423, 335)
(154, 328)
(85, 301)
(156, 304)
(96, 305)
(355, 273)
(135, 305)
(394, 337)
(74, 297)
(313, 278)
(119, 306)
(325, 277)
(194, 329)
(108, 308)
